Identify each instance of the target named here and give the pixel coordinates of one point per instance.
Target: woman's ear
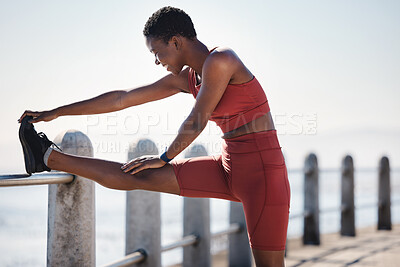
(177, 42)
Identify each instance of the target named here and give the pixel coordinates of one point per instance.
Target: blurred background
(330, 70)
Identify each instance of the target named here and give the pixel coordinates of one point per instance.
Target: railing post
(71, 214)
(143, 213)
(347, 221)
(311, 201)
(196, 220)
(384, 215)
(239, 249)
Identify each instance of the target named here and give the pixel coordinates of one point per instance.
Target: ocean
(23, 217)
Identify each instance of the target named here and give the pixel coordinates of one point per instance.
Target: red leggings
(251, 170)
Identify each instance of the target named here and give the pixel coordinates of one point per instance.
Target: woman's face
(166, 54)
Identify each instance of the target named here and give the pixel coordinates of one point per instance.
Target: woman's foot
(34, 145)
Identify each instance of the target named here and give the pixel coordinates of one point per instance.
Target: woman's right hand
(39, 115)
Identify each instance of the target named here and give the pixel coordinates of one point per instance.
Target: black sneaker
(34, 146)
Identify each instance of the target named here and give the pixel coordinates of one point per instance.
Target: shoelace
(42, 135)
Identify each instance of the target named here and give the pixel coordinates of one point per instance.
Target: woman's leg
(269, 258)
(265, 194)
(109, 174)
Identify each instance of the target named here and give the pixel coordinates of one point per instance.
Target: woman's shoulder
(223, 53)
(226, 60)
(222, 56)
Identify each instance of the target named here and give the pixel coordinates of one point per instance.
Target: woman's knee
(119, 181)
(157, 179)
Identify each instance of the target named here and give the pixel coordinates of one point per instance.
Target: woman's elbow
(194, 126)
(199, 127)
(120, 101)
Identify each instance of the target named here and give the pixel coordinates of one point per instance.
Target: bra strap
(212, 49)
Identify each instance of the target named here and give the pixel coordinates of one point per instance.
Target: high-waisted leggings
(251, 169)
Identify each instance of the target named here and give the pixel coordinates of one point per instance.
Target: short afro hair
(168, 22)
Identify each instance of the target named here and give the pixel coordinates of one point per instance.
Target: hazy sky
(330, 70)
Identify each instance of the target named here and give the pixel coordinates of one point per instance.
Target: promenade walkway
(370, 248)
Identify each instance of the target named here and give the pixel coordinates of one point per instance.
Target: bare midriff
(263, 123)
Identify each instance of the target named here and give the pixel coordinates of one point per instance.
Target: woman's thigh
(200, 177)
(265, 193)
(205, 176)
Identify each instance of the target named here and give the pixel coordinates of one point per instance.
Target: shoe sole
(28, 154)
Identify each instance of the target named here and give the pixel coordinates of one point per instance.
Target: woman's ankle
(47, 155)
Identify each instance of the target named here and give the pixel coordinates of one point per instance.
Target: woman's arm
(104, 103)
(121, 99)
(216, 74)
(116, 100)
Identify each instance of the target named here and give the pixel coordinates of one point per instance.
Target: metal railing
(81, 213)
(135, 257)
(36, 179)
(310, 215)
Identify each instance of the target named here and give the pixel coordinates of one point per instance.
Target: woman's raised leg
(109, 173)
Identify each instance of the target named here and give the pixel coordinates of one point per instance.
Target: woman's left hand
(141, 163)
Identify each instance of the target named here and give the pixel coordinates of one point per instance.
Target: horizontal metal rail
(135, 257)
(332, 209)
(189, 240)
(193, 239)
(367, 206)
(395, 201)
(234, 228)
(300, 215)
(36, 179)
(342, 208)
(184, 242)
(330, 170)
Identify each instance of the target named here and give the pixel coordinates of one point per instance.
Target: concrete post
(384, 214)
(311, 201)
(347, 221)
(143, 213)
(71, 214)
(239, 248)
(196, 220)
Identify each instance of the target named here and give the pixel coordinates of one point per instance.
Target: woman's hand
(39, 115)
(141, 163)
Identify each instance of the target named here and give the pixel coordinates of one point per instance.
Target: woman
(251, 168)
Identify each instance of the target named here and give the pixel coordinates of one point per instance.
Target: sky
(330, 70)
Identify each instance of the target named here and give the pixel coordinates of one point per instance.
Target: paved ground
(369, 248)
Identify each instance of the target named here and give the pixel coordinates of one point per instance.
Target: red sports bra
(240, 103)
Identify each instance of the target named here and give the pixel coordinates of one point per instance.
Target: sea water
(23, 217)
